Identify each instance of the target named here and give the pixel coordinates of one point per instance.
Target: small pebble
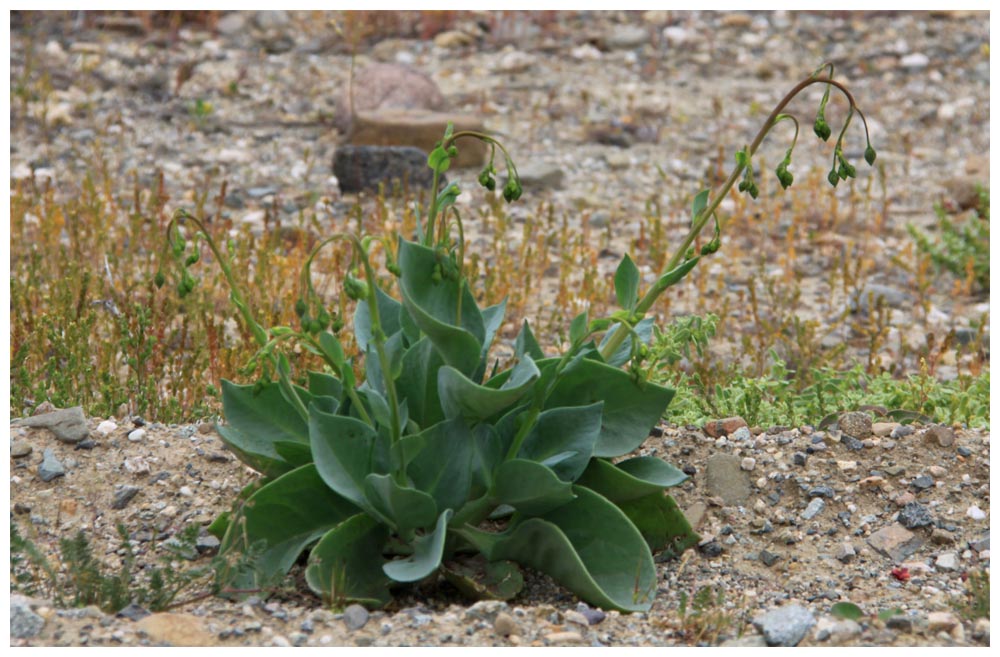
(136, 435)
(976, 513)
(505, 625)
(748, 463)
(106, 427)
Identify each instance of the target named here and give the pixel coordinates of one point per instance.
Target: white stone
(915, 60)
(137, 435)
(106, 427)
(748, 463)
(947, 561)
(186, 491)
(976, 513)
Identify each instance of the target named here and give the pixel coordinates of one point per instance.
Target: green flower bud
(305, 319)
(159, 279)
(870, 155)
(821, 128)
(452, 151)
(394, 269)
(323, 319)
(753, 190)
(258, 387)
(300, 308)
(512, 190)
(315, 327)
(191, 259)
(833, 177)
(355, 288)
(337, 325)
(743, 186)
(182, 289)
(436, 274)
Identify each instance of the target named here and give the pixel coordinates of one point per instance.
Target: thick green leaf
(443, 467)
(280, 520)
(433, 307)
(699, 203)
(388, 313)
(332, 349)
(417, 383)
(587, 545)
(479, 579)
(627, 279)
(563, 439)
(525, 343)
(461, 397)
(488, 452)
(661, 523)
(643, 328)
(630, 409)
(324, 385)
(255, 423)
(628, 480)
(427, 552)
(674, 276)
(492, 319)
(342, 448)
(405, 508)
(346, 564)
(578, 327)
(530, 487)
(847, 611)
(295, 454)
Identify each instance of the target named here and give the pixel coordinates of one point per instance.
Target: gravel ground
(793, 519)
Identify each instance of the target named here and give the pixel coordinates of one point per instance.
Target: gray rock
(785, 626)
(355, 617)
(769, 558)
(901, 431)
(133, 612)
(387, 86)
(856, 424)
(593, 616)
(20, 449)
(123, 495)
(625, 37)
(821, 491)
(939, 435)
(844, 630)
(537, 175)
(207, 543)
(947, 561)
(915, 515)
(232, 23)
(846, 553)
(268, 20)
(485, 610)
(895, 542)
(50, 467)
(980, 544)
(923, 482)
(364, 168)
(814, 508)
(873, 294)
(68, 425)
(725, 479)
(24, 623)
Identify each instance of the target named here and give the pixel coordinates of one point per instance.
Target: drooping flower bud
(870, 155)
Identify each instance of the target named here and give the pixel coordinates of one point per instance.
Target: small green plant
(961, 248)
(84, 580)
(422, 453)
(976, 601)
(704, 617)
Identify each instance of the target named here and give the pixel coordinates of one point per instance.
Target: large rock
(895, 542)
(725, 479)
(364, 168)
(421, 129)
(182, 630)
(785, 626)
(24, 623)
(386, 86)
(68, 425)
